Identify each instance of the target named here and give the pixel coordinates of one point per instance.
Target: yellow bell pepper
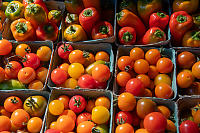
(191, 39)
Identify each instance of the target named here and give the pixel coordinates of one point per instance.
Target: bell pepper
(102, 29)
(4, 6)
(159, 19)
(126, 18)
(74, 6)
(71, 19)
(40, 2)
(74, 33)
(87, 18)
(2, 17)
(147, 7)
(154, 35)
(22, 30)
(55, 16)
(127, 36)
(189, 6)
(92, 3)
(14, 10)
(129, 5)
(191, 39)
(48, 31)
(196, 20)
(180, 22)
(35, 14)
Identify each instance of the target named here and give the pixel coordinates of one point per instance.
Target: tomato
(185, 79)
(136, 54)
(65, 100)
(75, 70)
(34, 125)
(126, 102)
(124, 128)
(26, 75)
(12, 103)
(64, 67)
(135, 86)
(141, 66)
(5, 123)
(86, 81)
(22, 50)
(186, 60)
(164, 65)
(64, 50)
(103, 101)
(19, 117)
(52, 131)
(12, 69)
(36, 85)
(100, 85)
(196, 70)
(122, 78)
(197, 117)
(2, 74)
(31, 60)
(147, 93)
(65, 124)
(188, 126)
(85, 127)
(77, 103)
(83, 117)
(102, 128)
(70, 83)
(41, 74)
(123, 117)
(4, 112)
(69, 113)
(56, 107)
(153, 72)
(101, 55)
(89, 60)
(78, 56)
(155, 122)
(136, 119)
(164, 110)
(163, 90)
(58, 76)
(125, 63)
(101, 73)
(100, 115)
(141, 130)
(171, 126)
(44, 53)
(90, 105)
(144, 107)
(152, 56)
(145, 79)
(5, 47)
(53, 125)
(162, 78)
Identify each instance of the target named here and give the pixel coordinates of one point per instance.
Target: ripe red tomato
(100, 85)
(123, 117)
(64, 50)
(31, 60)
(58, 76)
(188, 126)
(83, 117)
(86, 81)
(135, 86)
(12, 69)
(77, 104)
(186, 60)
(12, 103)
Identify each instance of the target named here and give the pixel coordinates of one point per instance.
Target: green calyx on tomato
(33, 9)
(21, 27)
(85, 54)
(127, 36)
(103, 29)
(158, 33)
(196, 35)
(94, 130)
(70, 18)
(77, 102)
(31, 103)
(88, 13)
(121, 121)
(71, 30)
(14, 100)
(161, 14)
(66, 48)
(181, 19)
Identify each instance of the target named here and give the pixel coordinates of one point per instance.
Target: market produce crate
(34, 46)
(166, 52)
(85, 93)
(93, 48)
(108, 12)
(165, 8)
(23, 95)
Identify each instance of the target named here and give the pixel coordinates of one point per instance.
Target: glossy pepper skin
(22, 30)
(129, 5)
(127, 36)
(102, 29)
(71, 19)
(14, 10)
(48, 31)
(75, 33)
(189, 6)
(55, 16)
(147, 7)
(125, 18)
(154, 35)
(92, 3)
(74, 6)
(159, 19)
(87, 18)
(191, 39)
(196, 20)
(180, 22)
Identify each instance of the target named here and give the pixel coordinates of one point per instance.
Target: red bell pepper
(159, 19)
(127, 36)
(154, 35)
(180, 22)
(102, 29)
(40, 2)
(87, 18)
(47, 31)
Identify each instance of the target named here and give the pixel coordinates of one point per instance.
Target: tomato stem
(14, 100)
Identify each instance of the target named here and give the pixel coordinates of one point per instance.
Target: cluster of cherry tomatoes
(24, 65)
(81, 68)
(19, 116)
(144, 74)
(77, 114)
(142, 116)
(189, 73)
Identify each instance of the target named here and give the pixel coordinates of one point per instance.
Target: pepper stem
(161, 14)
(127, 36)
(119, 15)
(88, 13)
(103, 29)
(33, 9)
(196, 36)
(158, 33)
(181, 19)
(21, 27)
(12, 8)
(71, 30)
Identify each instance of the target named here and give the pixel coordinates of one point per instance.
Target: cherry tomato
(44, 53)
(77, 103)
(26, 75)
(58, 76)
(2, 74)
(162, 78)
(147, 93)
(171, 126)
(189, 126)
(19, 117)
(86, 81)
(141, 66)
(41, 74)
(75, 70)
(163, 90)
(100, 115)
(164, 65)
(185, 79)
(5, 123)
(101, 55)
(100, 85)
(152, 56)
(65, 100)
(196, 70)
(12, 103)
(197, 117)
(4, 112)
(135, 87)
(164, 110)
(153, 72)
(136, 54)
(101, 73)
(125, 63)
(5, 47)
(122, 78)
(36, 85)
(124, 128)
(22, 50)
(56, 107)
(89, 60)
(85, 127)
(126, 101)
(123, 117)
(78, 56)
(64, 50)
(186, 60)
(52, 131)
(69, 113)
(90, 105)
(31, 60)
(145, 80)
(83, 117)
(141, 130)
(34, 125)
(103, 101)
(70, 83)
(12, 69)
(65, 124)
(64, 67)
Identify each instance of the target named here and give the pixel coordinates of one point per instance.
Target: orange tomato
(12, 69)
(124, 128)
(145, 79)
(163, 90)
(5, 47)
(141, 66)
(5, 123)
(89, 60)
(152, 56)
(125, 63)
(69, 113)
(195, 109)
(4, 112)
(77, 56)
(184, 79)
(34, 125)
(22, 49)
(13, 127)
(147, 93)
(101, 55)
(65, 67)
(196, 70)
(162, 78)
(164, 110)
(26, 75)
(65, 100)
(85, 127)
(164, 65)
(2, 74)
(90, 105)
(103, 101)
(153, 72)
(19, 117)
(70, 83)
(141, 130)
(56, 107)
(65, 124)
(136, 54)
(36, 85)
(101, 73)
(12, 103)
(41, 74)
(44, 53)
(122, 78)
(126, 101)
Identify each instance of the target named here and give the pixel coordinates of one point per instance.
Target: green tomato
(102, 128)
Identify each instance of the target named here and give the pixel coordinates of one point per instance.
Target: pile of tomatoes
(77, 114)
(189, 73)
(81, 68)
(16, 115)
(144, 74)
(142, 116)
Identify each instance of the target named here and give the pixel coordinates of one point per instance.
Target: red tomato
(86, 81)
(188, 126)
(135, 86)
(64, 50)
(123, 117)
(31, 60)
(77, 104)
(83, 117)
(100, 85)
(58, 76)
(12, 69)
